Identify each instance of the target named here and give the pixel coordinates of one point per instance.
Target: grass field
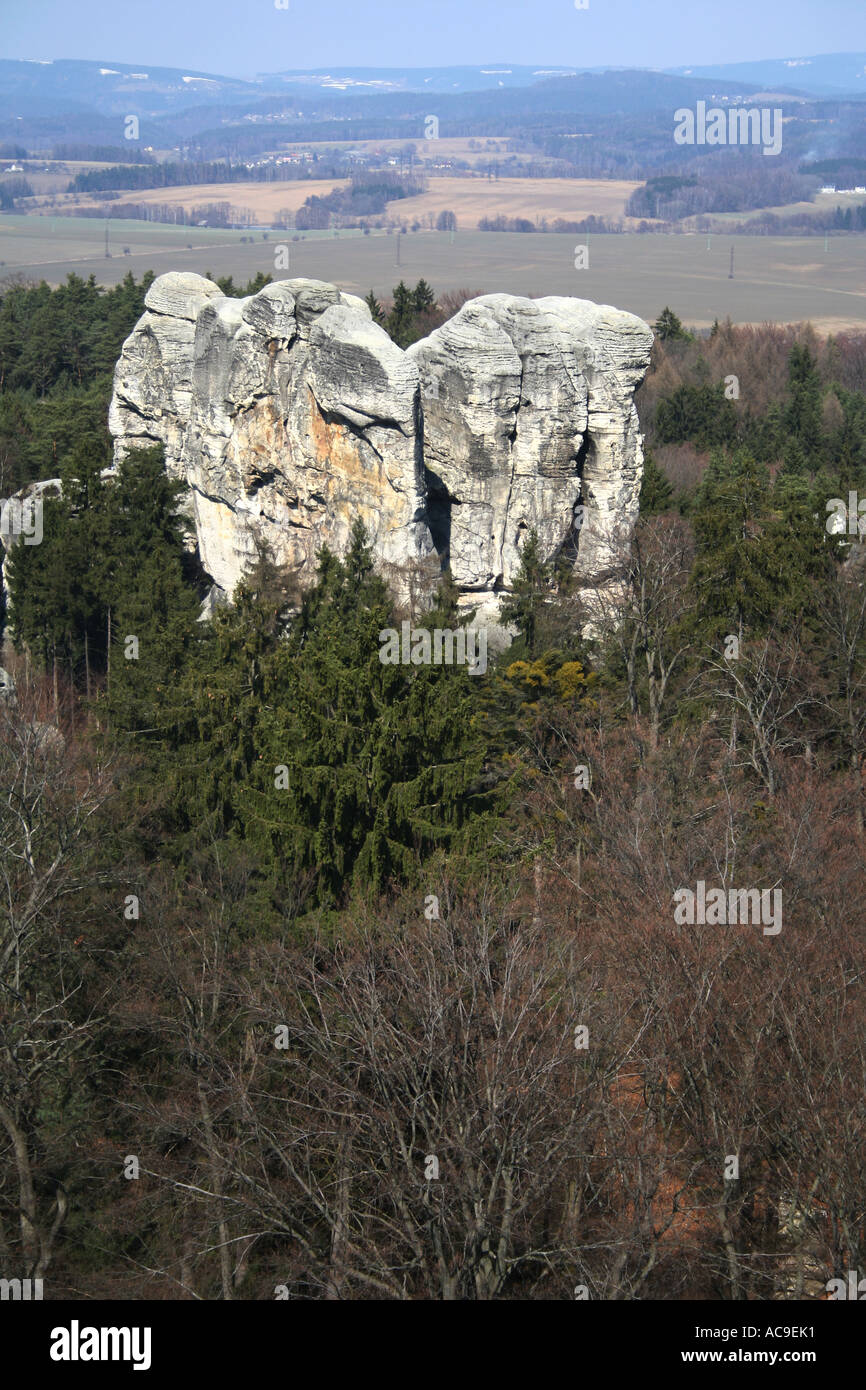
(776, 279)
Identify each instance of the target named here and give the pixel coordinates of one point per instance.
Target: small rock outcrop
(290, 413)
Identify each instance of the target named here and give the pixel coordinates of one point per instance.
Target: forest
(326, 979)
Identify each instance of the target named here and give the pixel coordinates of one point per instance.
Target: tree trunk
(216, 1184)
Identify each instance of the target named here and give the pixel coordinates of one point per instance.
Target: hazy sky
(243, 37)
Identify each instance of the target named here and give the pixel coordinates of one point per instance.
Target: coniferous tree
(524, 606)
(423, 298)
(669, 327)
(803, 414)
(401, 318)
(321, 756)
(375, 308)
(656, 492)
(733, 578)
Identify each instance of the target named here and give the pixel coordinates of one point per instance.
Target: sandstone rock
(180, 294)
(290, 413)
(529, 423)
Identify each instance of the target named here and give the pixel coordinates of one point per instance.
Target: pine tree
(423, 298)
(668, 327)
(154, 629)
(734, 577)
(400, 321)
(376, 310)
(656, 492)
(803, 414)
(523, 607)
(380, 760)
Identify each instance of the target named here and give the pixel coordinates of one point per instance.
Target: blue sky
(243, 37)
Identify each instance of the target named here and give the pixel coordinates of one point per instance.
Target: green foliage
(381, 762)
(57, 354)
(524, 606)
(375, 308)
(227, 285)
(656, 493)
(759, 547)
(669, 327)
(810, 429)
(423, 298)
(803, 415)
(410, 316)
(112, 550)
(700, 414)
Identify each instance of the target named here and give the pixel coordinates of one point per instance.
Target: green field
(776, 279)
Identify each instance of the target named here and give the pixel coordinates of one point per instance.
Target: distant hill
(43, 103)
(48, 88)
(492, 76)
(42, 91)
(826, 74)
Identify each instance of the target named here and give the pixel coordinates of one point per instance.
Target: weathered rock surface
(291, 413)
(530, 423)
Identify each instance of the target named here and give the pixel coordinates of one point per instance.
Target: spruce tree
(656, 492)
(524, 606)
(323, 757)
(423, 298)
(669, 327)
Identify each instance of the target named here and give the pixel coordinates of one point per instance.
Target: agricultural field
(265, 201)
(775, 279)
(473, 198)
(470, 197)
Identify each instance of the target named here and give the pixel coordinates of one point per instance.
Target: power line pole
(731, 271)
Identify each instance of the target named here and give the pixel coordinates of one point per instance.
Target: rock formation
(290, 413)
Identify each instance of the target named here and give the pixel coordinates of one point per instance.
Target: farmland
(470, 197)
(775, 279)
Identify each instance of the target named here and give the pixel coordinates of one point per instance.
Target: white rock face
(530, 423)
(291, 413)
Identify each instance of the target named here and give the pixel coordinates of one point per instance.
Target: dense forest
(322, 978)
(174, 175)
